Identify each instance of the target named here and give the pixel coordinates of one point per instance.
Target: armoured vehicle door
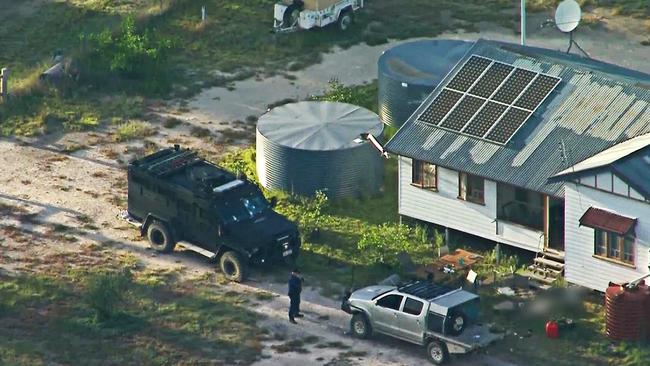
(411, 320)
(386, 312)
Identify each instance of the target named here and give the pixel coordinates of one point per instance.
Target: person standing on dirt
(295, 288)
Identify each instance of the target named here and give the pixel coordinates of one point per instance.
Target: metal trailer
(308, 14)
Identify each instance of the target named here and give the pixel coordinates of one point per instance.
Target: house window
(425, 175)
(520, 206)
(614, 246)
(471, 188)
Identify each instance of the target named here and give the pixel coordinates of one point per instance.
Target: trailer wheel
(437, 352)
(456, 323)
(232, 267)
(292, 14)
(360, 326)
(160, 238)
(345, 20)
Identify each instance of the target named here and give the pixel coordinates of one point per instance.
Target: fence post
(4, 77)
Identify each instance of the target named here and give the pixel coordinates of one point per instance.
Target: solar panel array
(488, 99)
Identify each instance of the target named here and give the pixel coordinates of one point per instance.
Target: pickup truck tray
(472, 338)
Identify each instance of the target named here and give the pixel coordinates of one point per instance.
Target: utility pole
(523, 22)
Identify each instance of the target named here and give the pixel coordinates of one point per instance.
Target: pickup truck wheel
(232, 267)
(457, 322)
(160, 238)
(437, 352)
(360, 326)
(345, 20)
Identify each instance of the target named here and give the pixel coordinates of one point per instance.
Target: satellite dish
(567, 16)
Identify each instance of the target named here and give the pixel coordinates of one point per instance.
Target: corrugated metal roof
(606, 220)
(595, 107)
(635, 170)
(609, 156)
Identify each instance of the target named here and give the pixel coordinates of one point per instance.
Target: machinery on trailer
(292, 15)
(177, 198)
(441, 319)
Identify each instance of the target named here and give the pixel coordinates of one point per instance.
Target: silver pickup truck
(442, 319)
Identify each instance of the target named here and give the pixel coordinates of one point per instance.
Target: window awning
(606, 220)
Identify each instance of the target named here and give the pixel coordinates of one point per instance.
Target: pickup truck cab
(442, 319)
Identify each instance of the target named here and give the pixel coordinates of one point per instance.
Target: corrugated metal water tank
(308, 146)
(410, 71)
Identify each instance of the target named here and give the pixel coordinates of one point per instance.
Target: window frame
(399, 305)
(417, 167)
(463, 179)
(620, 240)
(413, 300)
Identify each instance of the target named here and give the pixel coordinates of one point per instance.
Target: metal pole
(523, 22)
(4, 76)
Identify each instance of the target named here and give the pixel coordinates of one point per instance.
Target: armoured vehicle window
(242, 208)
(412, 306)
(390, 302)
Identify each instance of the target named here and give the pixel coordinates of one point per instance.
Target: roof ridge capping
(573, 60)
(608, 156)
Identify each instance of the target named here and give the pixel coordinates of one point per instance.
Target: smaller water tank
(626, 312)
(409, 72)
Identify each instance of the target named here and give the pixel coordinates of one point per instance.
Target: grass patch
(166, 324)
(132, 130)
(200, 132)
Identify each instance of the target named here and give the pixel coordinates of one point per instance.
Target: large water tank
(627, 314)
(309, 146)
(410, 71)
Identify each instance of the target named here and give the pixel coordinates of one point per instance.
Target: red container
(627, 317)
(552, 329)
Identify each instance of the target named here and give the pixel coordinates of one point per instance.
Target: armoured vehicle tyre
(360, 326)
(437, 352)
(345, 20)
(457, 323)
(160, 238)
(232, 267)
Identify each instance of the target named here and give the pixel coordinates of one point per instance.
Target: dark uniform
(295, 288)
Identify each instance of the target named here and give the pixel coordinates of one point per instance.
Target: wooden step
(550, 263)
(544, 280)
(546, 272)
(554, 255)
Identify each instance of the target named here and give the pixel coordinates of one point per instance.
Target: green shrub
(128, 54)
(361, 95)
(106, 291)
(383, 243)
(241, 161)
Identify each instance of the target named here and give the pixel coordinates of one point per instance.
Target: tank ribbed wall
(408, 72)
(626, 313)
(330, 162)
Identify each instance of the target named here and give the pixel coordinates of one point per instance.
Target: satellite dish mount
(567, 18)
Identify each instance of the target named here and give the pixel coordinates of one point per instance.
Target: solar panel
(537, 92)
(468, 74)
(440, 106)
(488, 99)
(491, 80)
(485, 118)
(515, 84)
(463, 112)
(508, 125)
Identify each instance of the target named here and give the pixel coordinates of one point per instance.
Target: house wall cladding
(444, 208)
(581, 267)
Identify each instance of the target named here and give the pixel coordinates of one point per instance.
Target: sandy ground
(45, 186)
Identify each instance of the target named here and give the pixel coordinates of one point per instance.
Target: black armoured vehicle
(178, 198)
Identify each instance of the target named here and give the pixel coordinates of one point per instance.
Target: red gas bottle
(552, 329)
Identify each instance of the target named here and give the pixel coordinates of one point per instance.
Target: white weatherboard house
(539, 150)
